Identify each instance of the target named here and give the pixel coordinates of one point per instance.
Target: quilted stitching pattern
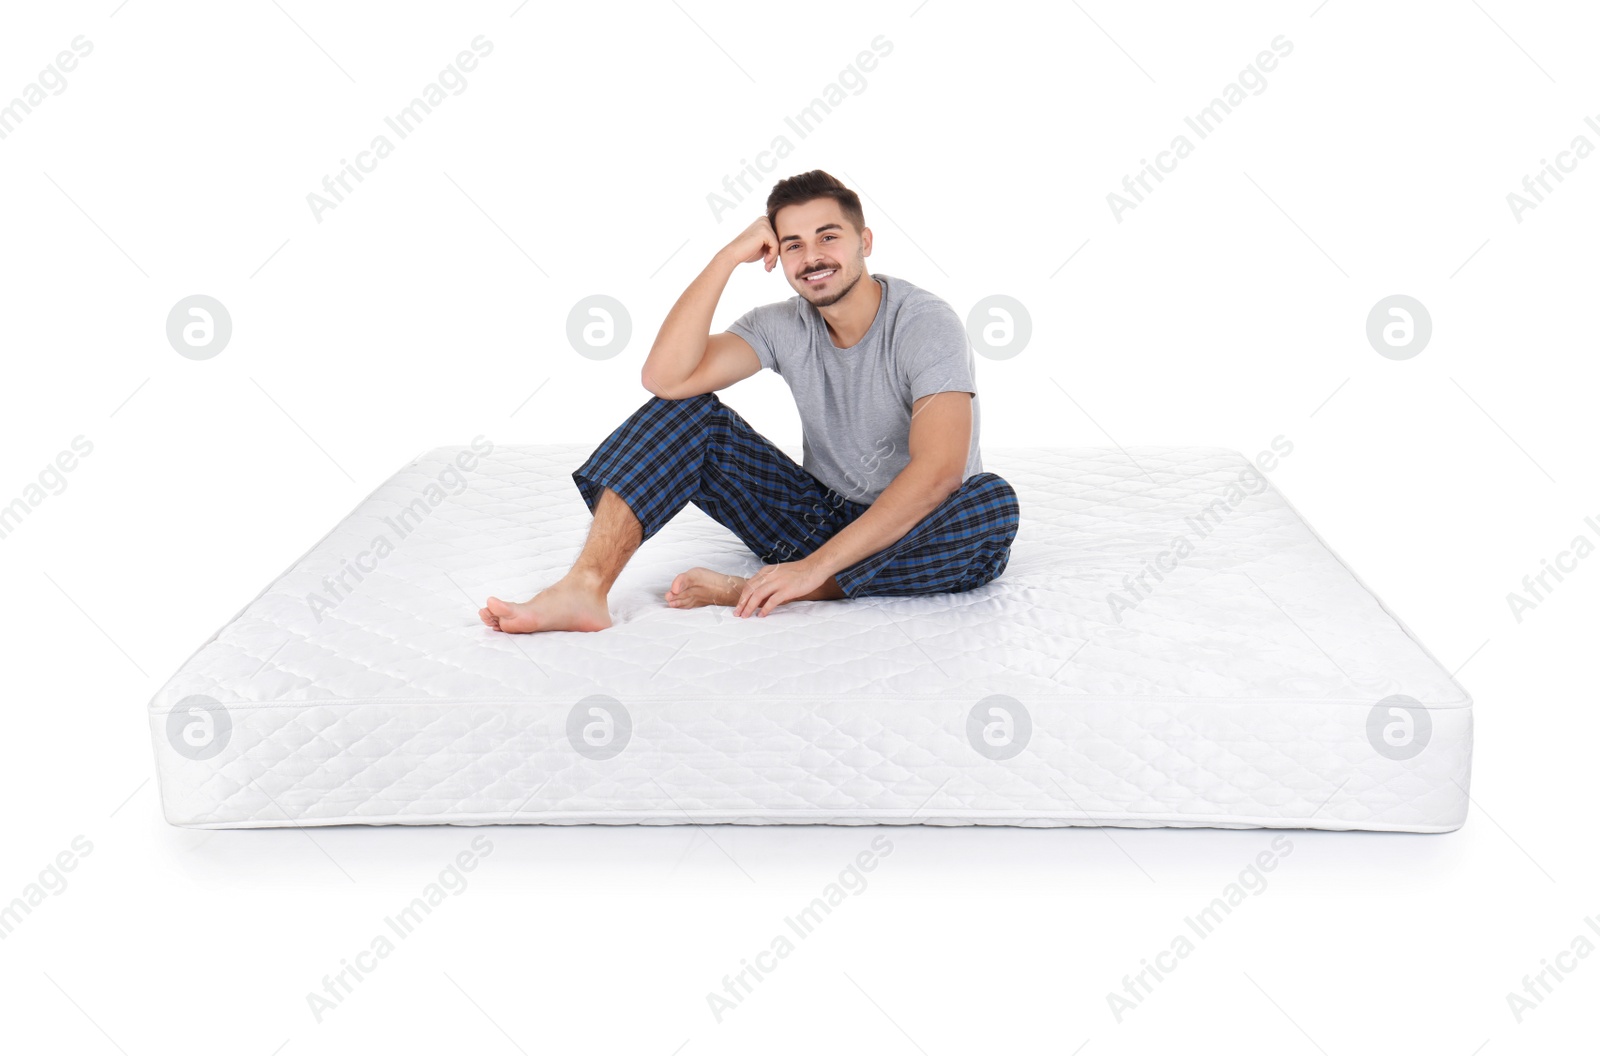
(1235, 693)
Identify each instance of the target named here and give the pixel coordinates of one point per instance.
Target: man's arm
(941, 436)
(685, 359)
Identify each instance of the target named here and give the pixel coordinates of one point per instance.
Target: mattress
(1170, 645)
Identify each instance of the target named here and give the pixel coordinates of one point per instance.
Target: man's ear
(866, 241)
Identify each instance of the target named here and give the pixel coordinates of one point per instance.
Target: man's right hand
(756, 242)
(687, 359)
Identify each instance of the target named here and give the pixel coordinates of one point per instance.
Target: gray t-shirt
(855, 403)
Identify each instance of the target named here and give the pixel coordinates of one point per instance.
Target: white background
(430, 307)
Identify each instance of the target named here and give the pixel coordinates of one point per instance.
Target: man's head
(823, 240)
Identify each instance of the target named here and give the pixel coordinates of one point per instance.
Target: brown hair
(809, 186)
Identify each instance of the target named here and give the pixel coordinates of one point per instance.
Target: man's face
(822, 255)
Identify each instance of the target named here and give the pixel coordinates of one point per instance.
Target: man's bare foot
(702, 586)
(576, 602)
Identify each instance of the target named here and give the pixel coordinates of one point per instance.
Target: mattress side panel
(1048, 763)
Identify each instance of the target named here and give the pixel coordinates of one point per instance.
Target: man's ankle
(591, 577)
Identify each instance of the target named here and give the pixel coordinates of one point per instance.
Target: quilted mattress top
(1151, 574)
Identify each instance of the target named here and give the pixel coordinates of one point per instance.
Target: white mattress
(1249, 686)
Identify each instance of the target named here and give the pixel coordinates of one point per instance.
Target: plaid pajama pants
(673, 452)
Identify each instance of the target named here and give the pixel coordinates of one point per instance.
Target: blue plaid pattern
(673, 452)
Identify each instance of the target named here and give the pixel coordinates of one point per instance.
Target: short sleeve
(758, 330)
(935, 354)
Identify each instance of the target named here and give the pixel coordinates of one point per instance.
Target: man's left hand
(775, 584)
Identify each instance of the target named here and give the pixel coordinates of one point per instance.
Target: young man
(892, 498)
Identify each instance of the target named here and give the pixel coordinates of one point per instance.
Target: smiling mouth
(817, 278)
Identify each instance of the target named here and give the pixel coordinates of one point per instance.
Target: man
(892, 498)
